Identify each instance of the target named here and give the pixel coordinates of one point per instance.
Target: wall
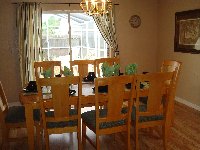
(9, 65)
(188, 89)
(138, 45)
(135, 45)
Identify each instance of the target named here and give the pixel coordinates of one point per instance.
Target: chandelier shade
(95, 7)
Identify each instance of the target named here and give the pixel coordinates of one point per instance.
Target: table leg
(30, 125)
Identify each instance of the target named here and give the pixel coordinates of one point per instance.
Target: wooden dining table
(31, 102)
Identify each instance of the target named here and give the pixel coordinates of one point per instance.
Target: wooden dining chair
(116, 116)
(58, 116)
(41, 67)
(156, 112)
(14, 118)
(99, 62)
(82, 67)
(170, 66)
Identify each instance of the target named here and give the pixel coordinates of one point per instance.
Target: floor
(184, 135)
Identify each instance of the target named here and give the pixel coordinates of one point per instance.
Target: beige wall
(9, 66)
(138, 45)
(189, 83)
(147, 45)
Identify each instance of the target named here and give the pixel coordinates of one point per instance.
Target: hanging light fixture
(94, 7)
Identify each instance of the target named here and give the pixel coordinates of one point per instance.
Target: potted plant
(109, 71)
(47, 73)
(130, 69)
(67, 71)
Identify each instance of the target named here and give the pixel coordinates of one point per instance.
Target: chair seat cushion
(143, 108)
(16, 114)
(62, 124)
(90, 119)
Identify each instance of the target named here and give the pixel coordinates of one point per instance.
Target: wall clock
(135, 21)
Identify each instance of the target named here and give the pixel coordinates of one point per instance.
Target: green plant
(110, 70)
(131, 69)
(67, 71)
(47, 73)
(116, 69)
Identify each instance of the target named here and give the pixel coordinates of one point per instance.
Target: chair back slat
(157, 88)
(170, 66)
(99, 62)
(60, 100)
(83, 67)
(40, 67)
(60, 106)
(116, 96)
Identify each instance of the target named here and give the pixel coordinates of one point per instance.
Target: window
(69, 36)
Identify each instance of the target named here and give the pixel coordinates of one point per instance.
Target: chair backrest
(59, 99)
(170, 66)
(114, 99)
(3, 102)
(99, 62)
(40, 67)
(157, 90)
(82, 67)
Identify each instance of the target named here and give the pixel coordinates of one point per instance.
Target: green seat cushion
(16, 114)
(90, 119)
(62, 124)
(143, 108)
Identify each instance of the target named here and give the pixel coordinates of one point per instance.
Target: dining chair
(82, 67)
(99, 62)
(41, 67)
(156, 111)
(12, 118)
(170, 66)
(116, 116)
(58, 116)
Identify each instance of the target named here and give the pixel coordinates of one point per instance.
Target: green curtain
(106, 25)
(29, 26)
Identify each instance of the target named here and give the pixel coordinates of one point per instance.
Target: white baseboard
(187, 103)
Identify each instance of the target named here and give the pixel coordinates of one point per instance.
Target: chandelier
(94, 7)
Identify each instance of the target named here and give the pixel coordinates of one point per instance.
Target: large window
(70, 36)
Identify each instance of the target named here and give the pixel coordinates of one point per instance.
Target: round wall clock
(135, 21)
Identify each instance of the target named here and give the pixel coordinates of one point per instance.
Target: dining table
(31, 101)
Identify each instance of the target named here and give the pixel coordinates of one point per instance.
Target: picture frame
(187, 31)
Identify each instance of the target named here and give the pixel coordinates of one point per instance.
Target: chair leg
(165, 135)
(5, 137)
(46, 140)
(128, 139)
(172, 113)
(38, 136)
(136, 138)
(79, 139)
(97, 142)
(83, 134)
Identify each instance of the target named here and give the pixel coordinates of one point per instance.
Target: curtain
(29, 28)
(106, 25)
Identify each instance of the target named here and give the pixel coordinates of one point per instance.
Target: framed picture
(187, 31)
